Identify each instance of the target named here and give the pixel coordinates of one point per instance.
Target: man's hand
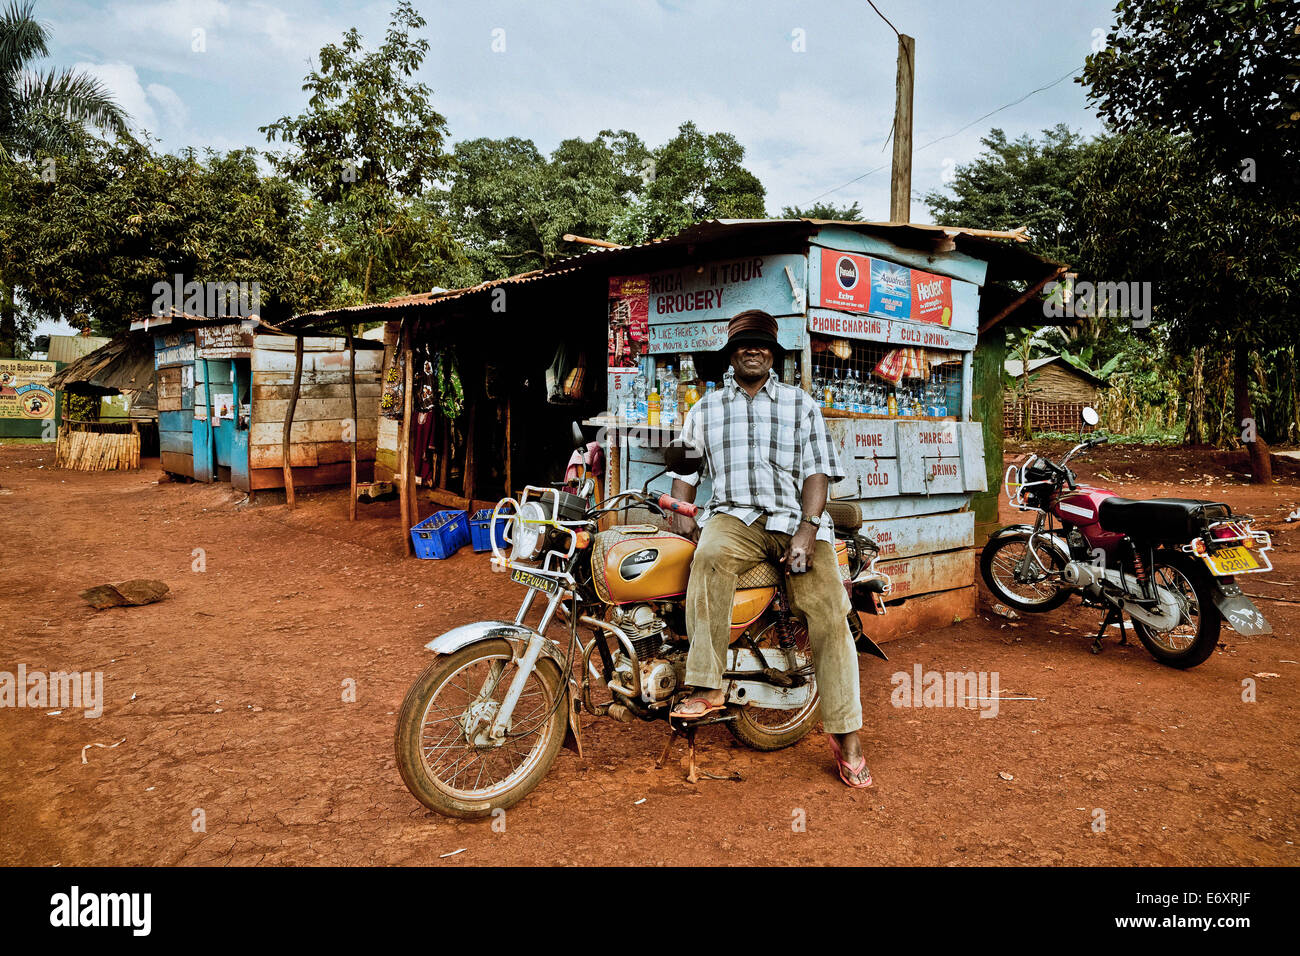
(805, 539)
(686, 526)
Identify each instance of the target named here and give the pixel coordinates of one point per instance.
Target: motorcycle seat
(845, 517)
(1161, 519)
(765, 574)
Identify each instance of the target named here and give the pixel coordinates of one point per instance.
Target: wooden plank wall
(319, 435)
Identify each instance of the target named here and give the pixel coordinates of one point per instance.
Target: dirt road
(227, 738)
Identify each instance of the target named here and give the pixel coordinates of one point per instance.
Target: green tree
(824, 210)
(366, 148)
(1223, 264)
(1223, 72)
(511, 205)
(1220, 78)
(1022, 182)
(89, 245)
(42, 114)
(693, 177)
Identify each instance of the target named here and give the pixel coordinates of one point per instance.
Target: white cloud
(156, 108)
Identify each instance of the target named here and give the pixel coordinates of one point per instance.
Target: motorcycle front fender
(518, 637)
(1055, 541)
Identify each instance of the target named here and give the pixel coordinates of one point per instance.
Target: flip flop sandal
(710, 708)
(851, 774)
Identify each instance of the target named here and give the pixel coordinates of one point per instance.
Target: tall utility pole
(900, 190)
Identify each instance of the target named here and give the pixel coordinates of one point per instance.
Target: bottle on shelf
(818, 387)
(828, 391)
(692, 395)
(853, 400)
(839, 386)
(668, 398)
(893, 401)
(652, 406)
(709, 387)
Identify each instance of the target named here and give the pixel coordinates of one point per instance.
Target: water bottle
(668, 398)
(853, 402)
(818, 388)
(642, 395)
(838, 398)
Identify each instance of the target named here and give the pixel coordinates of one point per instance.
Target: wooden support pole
(404, 442)
(510, 486)
(1020, 300)
(288, 421)
(900, 188)
(469, 451)
(352, 380)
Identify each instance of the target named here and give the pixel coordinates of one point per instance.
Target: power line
(883, 17)
(1015, 102)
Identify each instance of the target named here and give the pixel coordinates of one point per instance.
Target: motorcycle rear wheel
(766, 729)
(1194, 640)
(432, 748)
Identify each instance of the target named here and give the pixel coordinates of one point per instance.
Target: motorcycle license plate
(541, 582)
(1231, 561)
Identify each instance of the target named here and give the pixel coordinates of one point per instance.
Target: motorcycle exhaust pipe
(1089, 577)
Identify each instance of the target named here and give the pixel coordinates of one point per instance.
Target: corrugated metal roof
(69, 348)
(124, 364)
(1006, 262)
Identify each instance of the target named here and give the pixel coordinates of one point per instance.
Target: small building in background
(1056, 395)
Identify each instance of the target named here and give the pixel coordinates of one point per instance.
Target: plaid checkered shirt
(758, 452)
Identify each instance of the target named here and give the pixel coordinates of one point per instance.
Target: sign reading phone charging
(854, 283)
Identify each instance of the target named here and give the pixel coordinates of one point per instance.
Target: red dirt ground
(226, 697)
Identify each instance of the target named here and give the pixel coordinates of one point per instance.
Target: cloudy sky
(209, 72)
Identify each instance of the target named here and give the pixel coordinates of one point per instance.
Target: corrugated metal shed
(69, 348)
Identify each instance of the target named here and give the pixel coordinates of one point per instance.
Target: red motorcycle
(1168, 563)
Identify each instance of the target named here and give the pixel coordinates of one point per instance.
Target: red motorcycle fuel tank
(1081, 509)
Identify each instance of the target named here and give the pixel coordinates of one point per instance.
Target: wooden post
(403, 475)
(352, 377)
(510, 485)
(469, 454)
(900, 189)
(288, 421)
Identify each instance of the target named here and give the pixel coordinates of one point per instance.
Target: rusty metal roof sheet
(1006, 262)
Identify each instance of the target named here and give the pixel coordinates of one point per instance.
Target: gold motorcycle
(485, 722)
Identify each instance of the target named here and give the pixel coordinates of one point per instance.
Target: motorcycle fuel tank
(641, 563)
(1080, 508)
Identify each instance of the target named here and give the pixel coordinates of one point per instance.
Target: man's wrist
(816, 522)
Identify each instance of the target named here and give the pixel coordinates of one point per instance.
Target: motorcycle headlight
(527, 535)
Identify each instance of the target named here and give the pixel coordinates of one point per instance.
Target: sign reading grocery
(854, 283)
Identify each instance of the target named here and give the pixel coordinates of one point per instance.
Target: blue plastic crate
(441, 534)
(478, 530)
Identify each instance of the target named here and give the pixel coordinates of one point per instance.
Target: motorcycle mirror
(1090, 415)
(579, 442)
(683, 459)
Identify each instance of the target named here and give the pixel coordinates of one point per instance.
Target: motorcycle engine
(648, 634)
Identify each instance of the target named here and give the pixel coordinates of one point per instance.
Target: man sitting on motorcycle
(766, 449)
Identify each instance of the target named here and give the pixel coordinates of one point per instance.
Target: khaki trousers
(728, 547)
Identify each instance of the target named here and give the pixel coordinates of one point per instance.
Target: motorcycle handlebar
(669, 503)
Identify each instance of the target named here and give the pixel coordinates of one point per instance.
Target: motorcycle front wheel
(764, 728)
(444, 754)
(1042, 592)
(1195, 637)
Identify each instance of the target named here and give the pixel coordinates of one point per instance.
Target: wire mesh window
(853, 379)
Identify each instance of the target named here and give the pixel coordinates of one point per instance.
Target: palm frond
(75, 97)
(22, 36)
